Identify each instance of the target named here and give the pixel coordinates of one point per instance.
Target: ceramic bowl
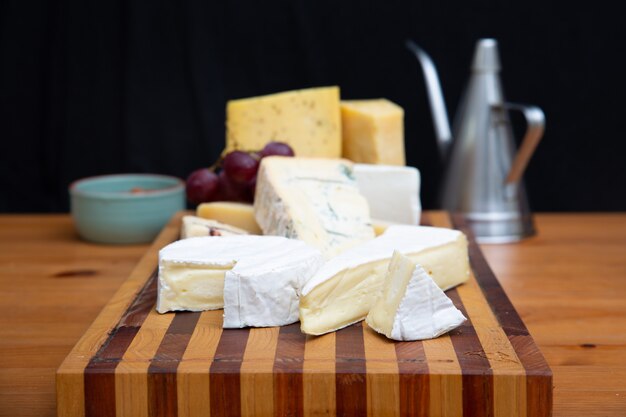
(125, 208)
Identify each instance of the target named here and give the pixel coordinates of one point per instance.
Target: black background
(91, 88)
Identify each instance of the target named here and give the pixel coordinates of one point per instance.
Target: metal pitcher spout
(435, 98)
(483, 169)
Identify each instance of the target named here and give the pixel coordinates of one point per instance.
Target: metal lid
(486, 57)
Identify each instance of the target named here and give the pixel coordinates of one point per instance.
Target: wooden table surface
(568, 284)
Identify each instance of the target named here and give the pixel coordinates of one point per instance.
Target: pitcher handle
(535, 121)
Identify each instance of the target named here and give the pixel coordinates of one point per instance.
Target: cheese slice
(256, 279)
(308, 120)
(412, 306)
(240, 215)
(392, 192)
(196, 226)
(373, 131)
(312, 199)
(344, 289)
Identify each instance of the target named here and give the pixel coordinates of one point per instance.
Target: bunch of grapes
(236, 181)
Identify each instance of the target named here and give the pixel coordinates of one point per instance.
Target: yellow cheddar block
(235, 214)
(308, 120)
(373, 131)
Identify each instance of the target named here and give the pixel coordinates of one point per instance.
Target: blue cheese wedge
(412, 306)
(312, 199)
(256, 279)
(345, 288)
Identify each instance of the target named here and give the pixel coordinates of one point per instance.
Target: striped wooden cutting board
(135, 362)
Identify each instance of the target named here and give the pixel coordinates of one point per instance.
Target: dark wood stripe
(350, 370)
(425, 220)
(225, 383)
(500, 304)
(476, 371)
(162, 395)
(143, 304)
(538, 373)
(99, 376)
(413, 379)
(288, 363)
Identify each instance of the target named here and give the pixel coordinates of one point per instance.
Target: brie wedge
(196, 226)
(412, 306)
(256, 279)
(344, 289)
(314, 200)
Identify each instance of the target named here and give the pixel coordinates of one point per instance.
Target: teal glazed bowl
(125, 208)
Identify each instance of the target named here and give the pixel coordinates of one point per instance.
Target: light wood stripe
(446, 383)
(193, 371)
(131, 381)
(446, 387)
(70, 375)
(318, 381)
(257, 379)
(509, 373)
(383, 382)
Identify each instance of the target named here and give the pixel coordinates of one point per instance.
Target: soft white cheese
(412, 306)
(392, 192)
(344, 289)
(314, 200)
(194, 226)
(256, 279)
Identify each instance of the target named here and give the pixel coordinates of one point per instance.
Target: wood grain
(568, 284)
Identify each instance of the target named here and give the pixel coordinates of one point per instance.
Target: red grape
(202, 185)
(276, 148)
(231, 190)
(252, 187)
(240, 166)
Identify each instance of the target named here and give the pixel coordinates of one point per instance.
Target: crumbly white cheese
(412, 306)
(257, 279)
(392, 192)
(344, 289)
(314, 200)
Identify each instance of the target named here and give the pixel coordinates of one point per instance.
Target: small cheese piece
(196, 226)
(343, 291)
(312, 199)
(412, 306)
(308, 120)
(257, 279)
(237, 214)
(392, 192)
(373, 131)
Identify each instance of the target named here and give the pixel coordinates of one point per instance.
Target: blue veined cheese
(312, 199)
(412, 306)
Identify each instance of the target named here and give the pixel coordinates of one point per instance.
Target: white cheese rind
(392, 192)
(314, 200)
(194, 226)
(344, 289)
(262, 277)
(412, 306)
